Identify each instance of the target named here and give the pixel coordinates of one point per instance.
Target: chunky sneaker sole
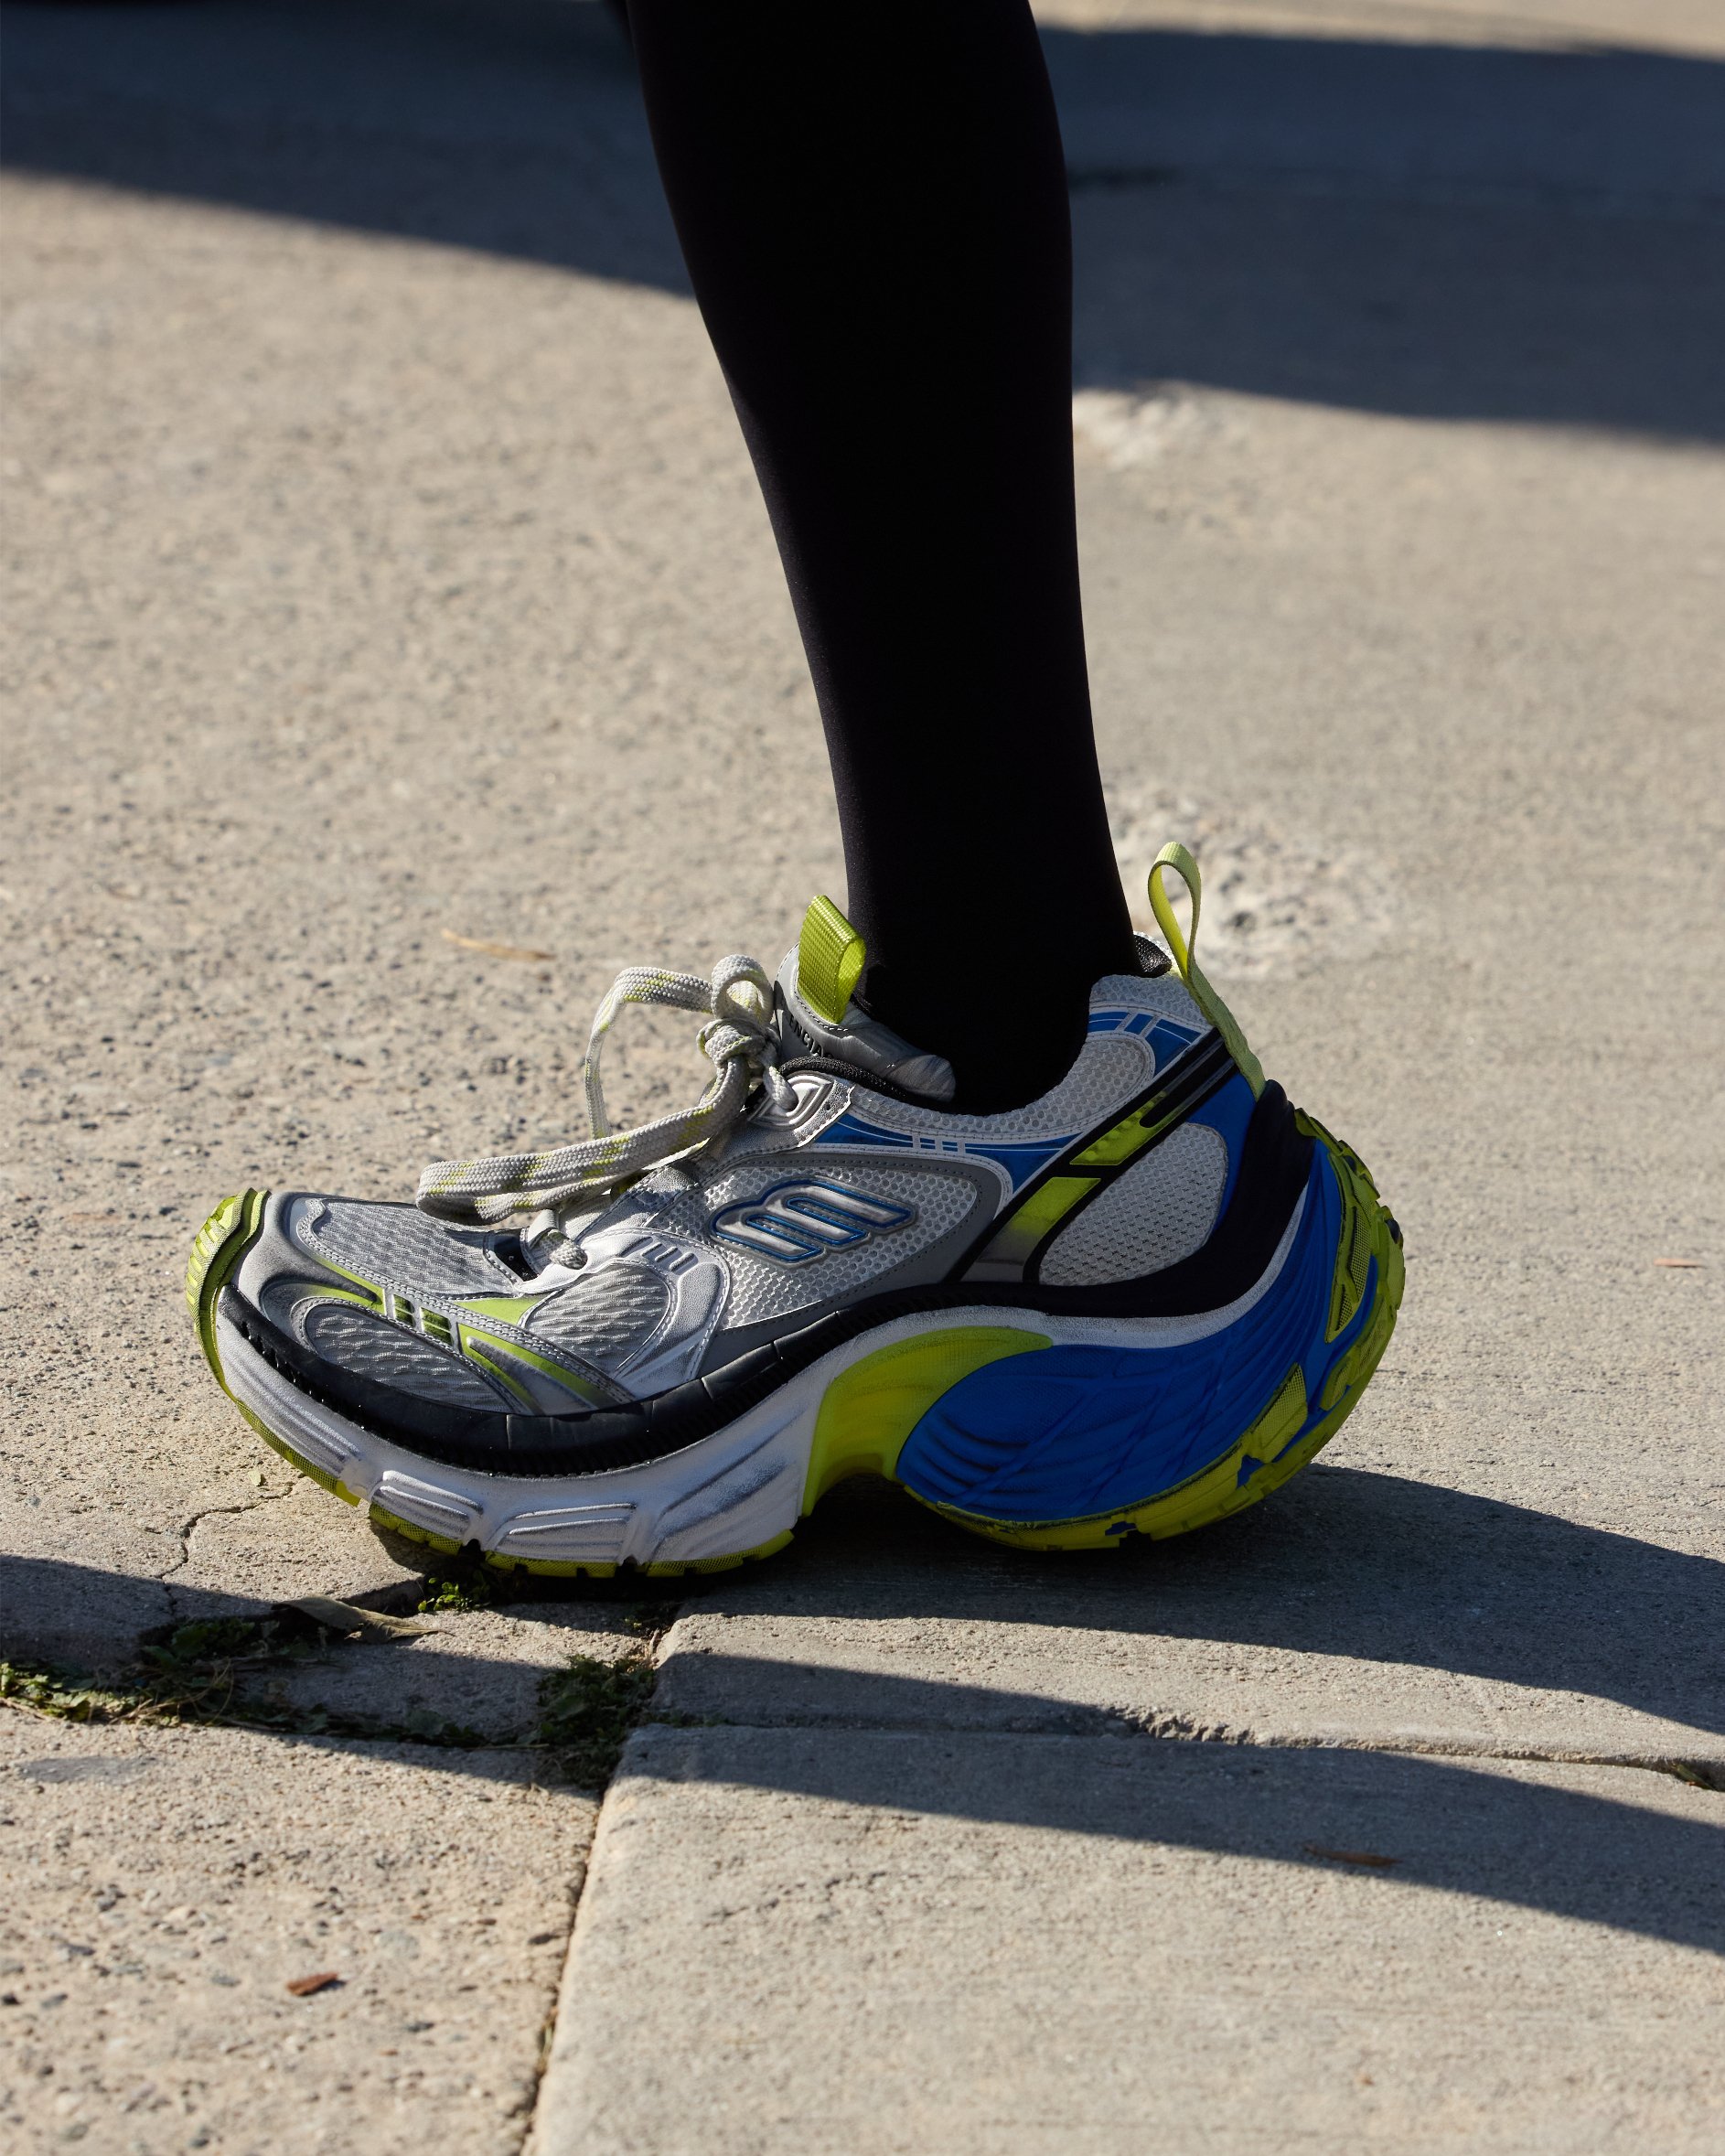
(1135, 1307)
(939, 1402)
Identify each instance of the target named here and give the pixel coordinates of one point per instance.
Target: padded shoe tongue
(818, 1015)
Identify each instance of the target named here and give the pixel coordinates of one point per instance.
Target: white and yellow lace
(740, 1043)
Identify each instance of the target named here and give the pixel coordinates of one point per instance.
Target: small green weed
(443, 1596)
(588, 1709)
(207, 1673)
(68, 1699)
(465, 1581)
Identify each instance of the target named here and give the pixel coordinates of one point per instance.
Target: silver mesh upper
(1158, 1212)
(603, 1316)
(763, 1287)
(400, 1245)
(670, 1255)
(372, 1347)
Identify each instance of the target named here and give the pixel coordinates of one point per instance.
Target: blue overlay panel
(1067, 1433)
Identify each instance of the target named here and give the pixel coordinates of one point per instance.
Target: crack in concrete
(1709, 1773)
(1700, 1772)
(197, 1519)
(655, 1645)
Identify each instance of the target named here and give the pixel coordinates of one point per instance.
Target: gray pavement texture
(1046, 1944)
(164, 1888)
(385, 569)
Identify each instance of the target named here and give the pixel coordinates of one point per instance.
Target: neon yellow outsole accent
(379, 1518)
(216, 1248)
(297, 1460)
(549, 1568)
(674, 1570)
(871, 1409)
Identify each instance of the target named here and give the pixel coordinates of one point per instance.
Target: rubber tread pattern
(1076, 1430)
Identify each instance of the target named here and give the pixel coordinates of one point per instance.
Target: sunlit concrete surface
(385, 570)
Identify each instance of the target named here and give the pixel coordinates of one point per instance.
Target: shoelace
(742, 1048)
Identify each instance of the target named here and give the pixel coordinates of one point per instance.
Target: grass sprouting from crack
(464, 1581)
(193, 1675)
(67, 1699)
(205, 1673)
(588, 1709)
(210, 1673)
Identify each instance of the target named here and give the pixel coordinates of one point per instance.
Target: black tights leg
(872, 202)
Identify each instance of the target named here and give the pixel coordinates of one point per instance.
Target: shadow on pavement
(1500, 1834)
(1503, 1835)
(1427, 229)
(1374, 1567)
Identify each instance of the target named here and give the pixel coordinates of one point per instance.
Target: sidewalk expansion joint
(1174, 1729)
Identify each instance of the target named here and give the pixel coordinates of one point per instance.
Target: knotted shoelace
(739, 1043)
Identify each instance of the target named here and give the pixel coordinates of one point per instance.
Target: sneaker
(1133, 1306)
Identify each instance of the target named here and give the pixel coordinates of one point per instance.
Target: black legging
(871, 201)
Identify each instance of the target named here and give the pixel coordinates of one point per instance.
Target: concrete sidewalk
(390, 585)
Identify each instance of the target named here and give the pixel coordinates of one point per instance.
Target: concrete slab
(1325, 620)
(1360, 1608)
(839, 1943)
(387, 570)
(477, 1670)
(162, 1888)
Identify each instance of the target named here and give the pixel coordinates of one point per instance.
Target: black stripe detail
(854, 1074)
(1195, 1074)
(1186, 1092)
(1275, 1162)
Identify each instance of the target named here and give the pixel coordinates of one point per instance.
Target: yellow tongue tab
(830, 955)
(1175, 855)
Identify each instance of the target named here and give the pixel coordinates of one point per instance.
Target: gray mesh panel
(1155, 1213)
(372, 1347)
(400, 1245)
(1112, 1068)
(604, 1314)
(765, 1287)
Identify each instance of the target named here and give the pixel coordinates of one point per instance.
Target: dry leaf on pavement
(1350, 1856)
(497, 950)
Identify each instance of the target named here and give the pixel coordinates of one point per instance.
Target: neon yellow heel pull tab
(1175, 855)
(830, 955)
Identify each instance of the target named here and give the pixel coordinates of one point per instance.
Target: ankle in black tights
(872, 202)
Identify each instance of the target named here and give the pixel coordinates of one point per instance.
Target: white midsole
(732, 1492)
